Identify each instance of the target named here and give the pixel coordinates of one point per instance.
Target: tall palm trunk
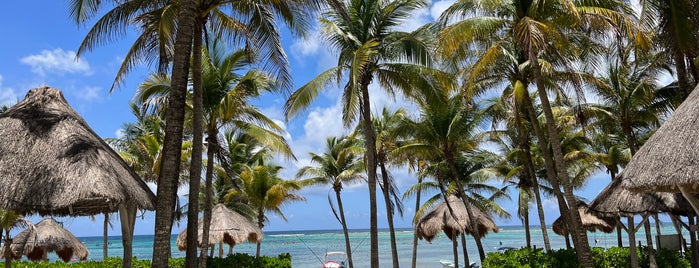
(464, 248)
(260, 224)
(212, 144)
(197, 148)
(527, 232)
(531, 173)
(415, 239)
(6, 252)
(105, 238)
(579, 234)
(682, 78)
(370, 143)
(455, 248)
(348, 247)
(389, 213)
(172, 144)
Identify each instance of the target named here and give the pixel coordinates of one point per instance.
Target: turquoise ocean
(307, 248)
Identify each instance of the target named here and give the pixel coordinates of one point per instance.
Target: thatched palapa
(614, 201)
(669, 159)
(440, 219)
(47, 236)
(227, 226)
(590, 222)
(53, 163)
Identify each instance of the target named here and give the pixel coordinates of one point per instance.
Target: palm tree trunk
(370, 143)
(467, 261)
(524, 136)
(415, 239)
(212, 144)
(348, 247)
(197, 137)
(105, 238)
(172, 144)
(389, 214)
(6, 251)
(527, 232)
(260, 224)
(455, 248)
(682, 78)
(459, 184)
(579, 234)
(649, 240)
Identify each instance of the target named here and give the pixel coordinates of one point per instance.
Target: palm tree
(537, 30)
(386, 140)
(676, 23)
(8, 221)
(444, 131)
(375, 51)
(339, 165)
(266, 192)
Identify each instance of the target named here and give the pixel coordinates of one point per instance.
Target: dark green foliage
(611, 257)
(236, 260)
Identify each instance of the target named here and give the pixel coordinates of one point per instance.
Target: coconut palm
(444, 131)
(265, 191)
(8, 221)
(538, 31)
(387, 137)
(341, 164)
(375, 52)
(676, 23)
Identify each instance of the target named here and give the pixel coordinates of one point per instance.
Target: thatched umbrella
(53, 163)
(227, 226)
(668, 161)
(440, 218)
(47, 236)
(616, 201)
(590, 222)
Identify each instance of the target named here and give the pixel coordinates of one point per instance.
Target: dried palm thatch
(227, 226)
(440, 219)
(615, 200)
(590, 222)
(668, 160)
(47, 236)
(53, 163)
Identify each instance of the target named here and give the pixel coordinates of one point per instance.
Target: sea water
(307, 248)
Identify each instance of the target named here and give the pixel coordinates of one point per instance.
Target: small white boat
(335, 259)
(450, 264)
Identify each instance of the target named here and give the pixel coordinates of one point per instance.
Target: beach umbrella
(590, 222)
(227, 226)
(440, 219)
(53, 163)
(616, 201)
(668, 160)
(44, 237)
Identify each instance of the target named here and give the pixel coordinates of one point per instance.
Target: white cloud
(89, 93)
(7, 95)
(120, 133)
(439, 7)
(56, 61)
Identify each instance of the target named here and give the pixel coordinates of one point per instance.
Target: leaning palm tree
(373, 53)
(265, 191)
(339, 165)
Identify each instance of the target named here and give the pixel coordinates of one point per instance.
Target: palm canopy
(341, 163)
(369, 46)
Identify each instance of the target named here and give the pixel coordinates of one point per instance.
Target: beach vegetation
(602, 258)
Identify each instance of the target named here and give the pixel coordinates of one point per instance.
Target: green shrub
(602, 258)
(236, 260)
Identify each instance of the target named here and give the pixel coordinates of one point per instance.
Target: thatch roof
(47, 236)
(53, 163)
(227, 226)
(669, 158)
(590, 222)
(440, 219)
(615, 200)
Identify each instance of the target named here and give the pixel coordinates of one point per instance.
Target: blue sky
(38, 48)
